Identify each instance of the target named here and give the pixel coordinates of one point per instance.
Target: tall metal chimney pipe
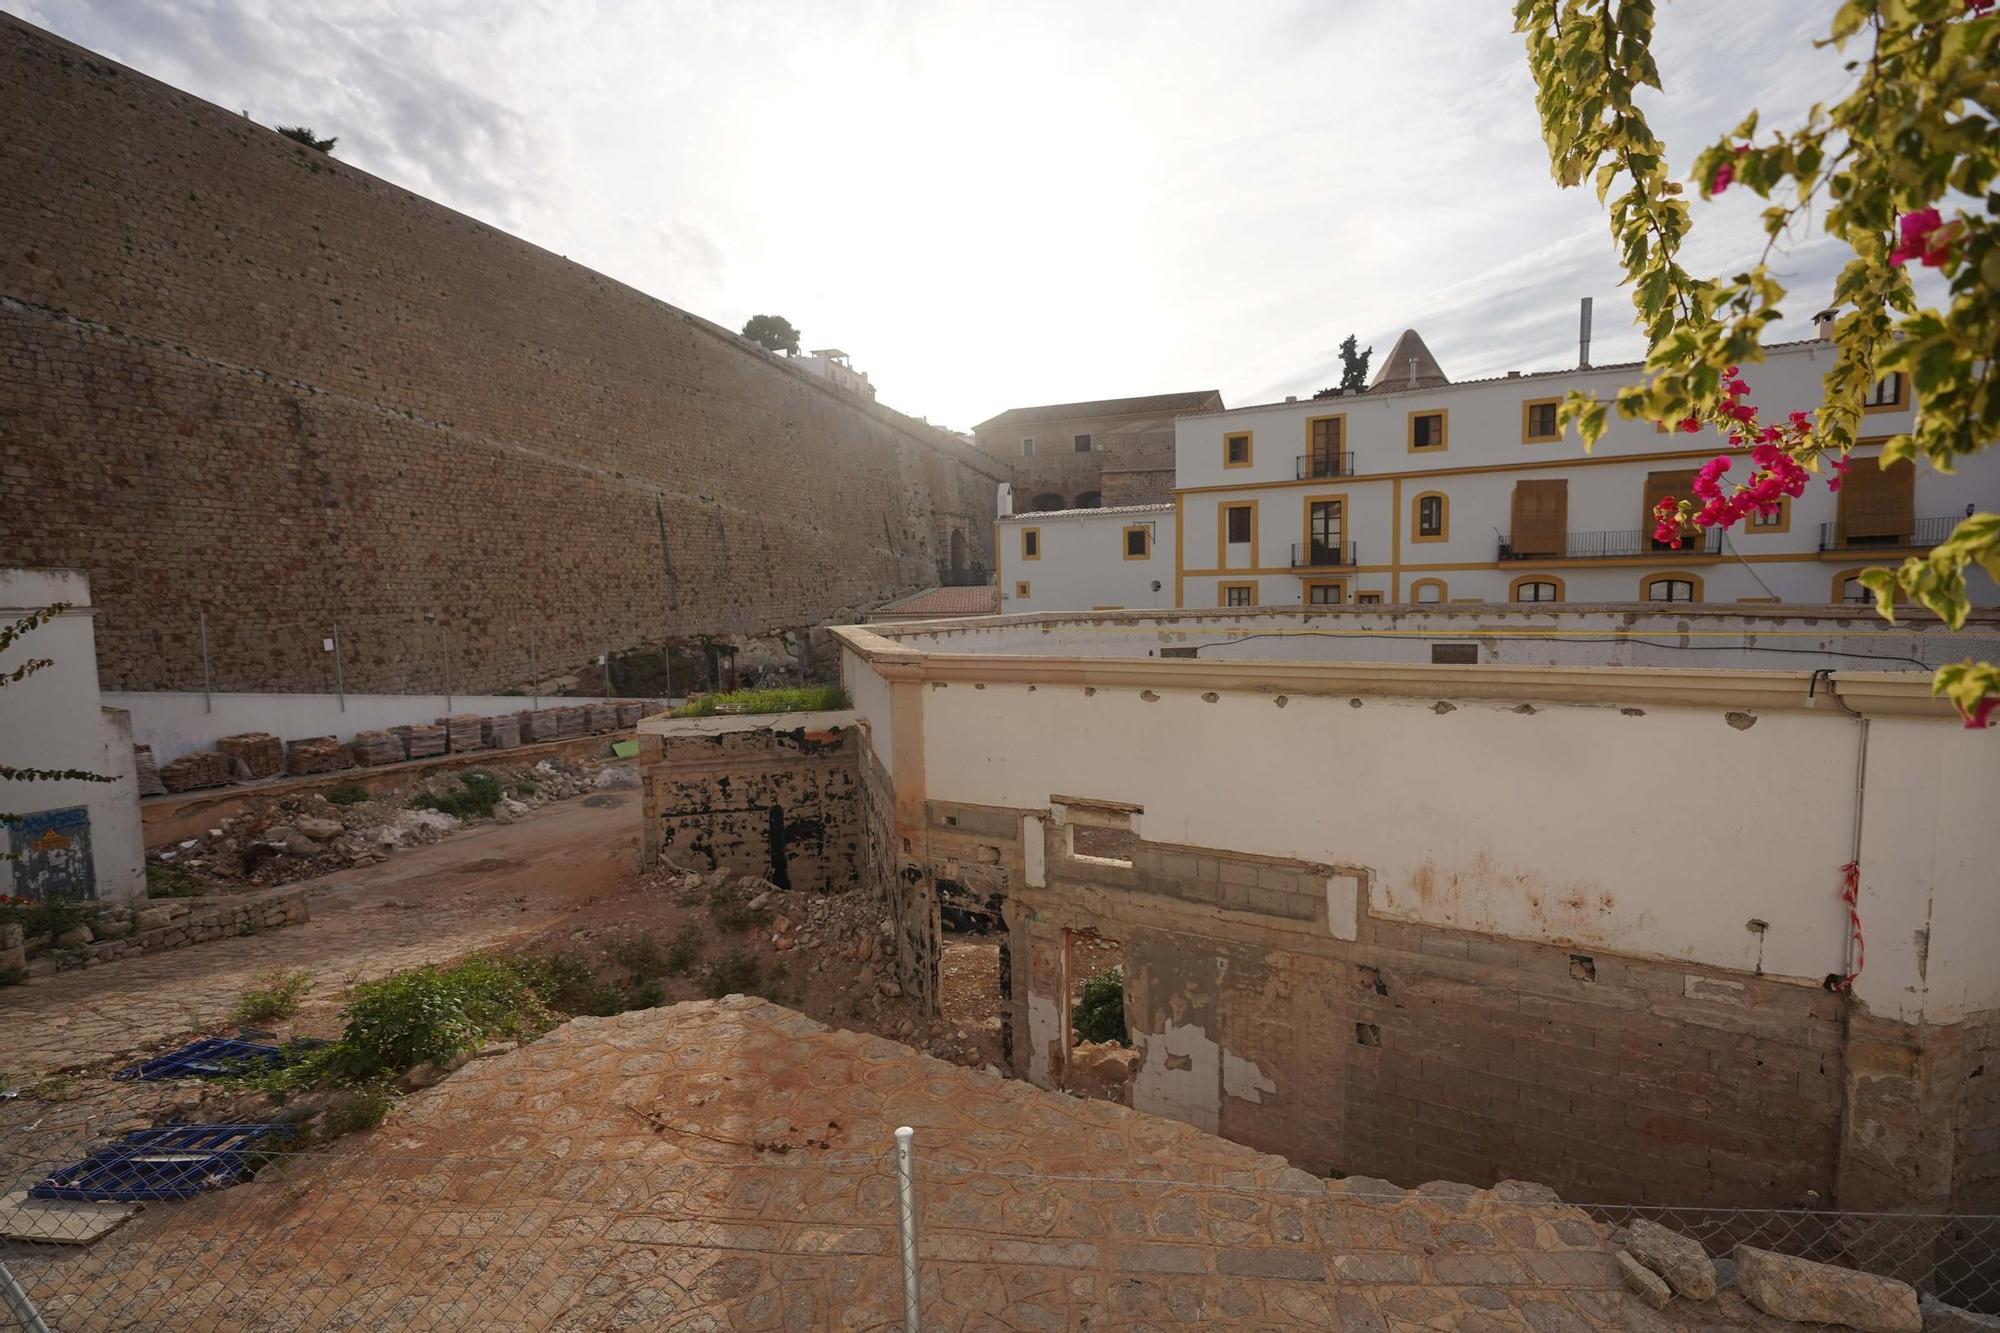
(1583, 336)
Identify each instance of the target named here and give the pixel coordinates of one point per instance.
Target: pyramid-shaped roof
(1397, 371)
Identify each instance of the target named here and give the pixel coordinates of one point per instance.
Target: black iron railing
(1322, 555)
(1609, 545)
(1918, 532)
(968, 577)
(1339, 464)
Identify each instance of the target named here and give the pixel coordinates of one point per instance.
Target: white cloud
(996, 205)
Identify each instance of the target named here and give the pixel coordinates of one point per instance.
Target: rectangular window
(1887, 395)
(1138, 543)
(1368, 598)
(1325, 440)
(1326, 532)
(1239, 594)
(1031, 543)
(1430, 516)
(1083, 444)
(1778, 521)
(1540, 519)
(1455, 654)
(1027, 446)
(1538, 421)
(1331, 592)
(1236, 450)
(1427, 431)
(1237, 520)
(1660, 485)
(1877, 505)
(1021, 588)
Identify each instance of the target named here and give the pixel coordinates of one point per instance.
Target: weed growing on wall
(790, 699)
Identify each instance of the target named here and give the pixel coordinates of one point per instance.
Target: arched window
(1531, 589)
(1089, 500)
(1047, 500)
(1430, 517)
(1427, 592)
(1847, 587)
(1670, 588)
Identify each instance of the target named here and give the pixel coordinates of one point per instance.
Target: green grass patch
(641, 957)
(277, 994)
(787, 699)
(684, 953)
(170, 881)
(347, 793)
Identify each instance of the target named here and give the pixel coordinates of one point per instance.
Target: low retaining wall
(774, 795)
(156, 925)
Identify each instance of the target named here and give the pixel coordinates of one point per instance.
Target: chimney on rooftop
(1291, 398)
(1583, 336)
(1823, 324)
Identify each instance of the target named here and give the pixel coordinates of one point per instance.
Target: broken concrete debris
(1807, 1292)
(1643, 1281)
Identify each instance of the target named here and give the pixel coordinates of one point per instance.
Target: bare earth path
(483, 888)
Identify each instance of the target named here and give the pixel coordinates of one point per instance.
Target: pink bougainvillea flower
(1977, 7)
(1690, 425)
(1982, 712)
(1926, 237)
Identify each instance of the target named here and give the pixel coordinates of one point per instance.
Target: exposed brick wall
(780, 802)
(1417, 1053)
(1139, 468)
(245, 379)
(1133, 458)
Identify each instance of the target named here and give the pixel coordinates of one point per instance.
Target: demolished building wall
(265, 399)
(1587, 937)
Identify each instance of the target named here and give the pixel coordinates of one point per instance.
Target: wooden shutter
(1877, 504)
(1541, 518)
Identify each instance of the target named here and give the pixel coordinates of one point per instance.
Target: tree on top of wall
(1899, 171)
(28, 623)
(303, 134)
(773, 332)
(1353, 369)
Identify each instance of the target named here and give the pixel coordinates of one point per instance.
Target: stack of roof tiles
(500, 733)
(601, 718)
(316, 754)
(203, 768)
(463, 732)
(261, 753)
(377, 747)
(629, 713)
(538, 725)
(149, 772)
(420, 740)
(570, 722)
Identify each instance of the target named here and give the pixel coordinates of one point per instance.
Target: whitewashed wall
(55, 718)
(1658, 832)
(176, 723)
(1082, 565)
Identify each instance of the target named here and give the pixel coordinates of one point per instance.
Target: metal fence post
(339, 678)
(906, 1189)
(19, 1302)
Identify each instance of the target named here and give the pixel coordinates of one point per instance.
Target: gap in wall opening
(1099, 1057)
(973, 982)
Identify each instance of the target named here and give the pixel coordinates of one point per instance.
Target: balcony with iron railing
(1314, 465)
(1916, 532)
(1323, 555)
(1631, 543)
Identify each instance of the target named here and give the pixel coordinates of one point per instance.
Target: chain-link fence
(722, 1232)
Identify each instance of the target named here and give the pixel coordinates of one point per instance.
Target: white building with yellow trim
(1426, 491)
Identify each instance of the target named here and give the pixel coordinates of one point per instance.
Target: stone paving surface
(726, 1165)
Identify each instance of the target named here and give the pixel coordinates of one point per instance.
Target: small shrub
(732, 914)
(1100, 1012)
(433, 1013)
(361, 1110)
(788, 699)
(276, 995)
(527, 786)
(347, 793)
(735, 973)
(564, 981)
(641, 957)
(170, 881)
(478, 794)
(684, 953)
(649, 994)
(47, 916)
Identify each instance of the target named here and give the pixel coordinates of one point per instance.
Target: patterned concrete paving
(726, 1165)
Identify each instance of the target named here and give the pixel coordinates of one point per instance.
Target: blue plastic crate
(165, 1162)
(213, 1057)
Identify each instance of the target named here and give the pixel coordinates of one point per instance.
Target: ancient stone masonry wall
(781, 803)
(246, 380)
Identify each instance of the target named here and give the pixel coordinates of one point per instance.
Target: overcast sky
(1001, 204)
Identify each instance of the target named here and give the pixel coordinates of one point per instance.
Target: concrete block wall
(778, 802)
(252, 381)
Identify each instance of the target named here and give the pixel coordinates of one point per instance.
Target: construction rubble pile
(297, 837)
